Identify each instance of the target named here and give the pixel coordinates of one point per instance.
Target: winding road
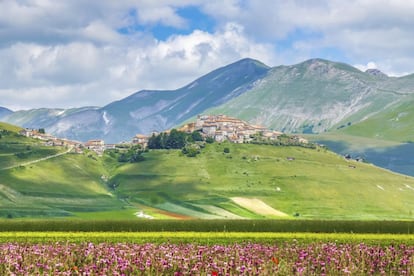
(38, 160)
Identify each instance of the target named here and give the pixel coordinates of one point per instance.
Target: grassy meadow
(308, 183)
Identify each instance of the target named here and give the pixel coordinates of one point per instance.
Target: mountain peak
(252, 61)
(376, 73)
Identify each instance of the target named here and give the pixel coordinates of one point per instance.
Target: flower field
(205, 253)
(289, 258)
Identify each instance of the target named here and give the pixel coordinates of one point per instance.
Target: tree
(176, 140)
(191, 150)
(41, 130)
(133, 155)
(226, 150)
(210, 140)
(154, 142)
(196, 136)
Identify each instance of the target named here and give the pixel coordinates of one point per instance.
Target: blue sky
(77, 53)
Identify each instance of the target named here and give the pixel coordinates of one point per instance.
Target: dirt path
(37, 160)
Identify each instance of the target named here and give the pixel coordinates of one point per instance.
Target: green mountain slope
(52, 187)
(16, 149)
(394, 123)
(316, 96)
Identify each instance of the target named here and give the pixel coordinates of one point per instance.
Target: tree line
(175, 139)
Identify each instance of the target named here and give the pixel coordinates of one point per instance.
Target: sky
(73, 53)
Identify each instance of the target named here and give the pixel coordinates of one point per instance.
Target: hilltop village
(219, 127)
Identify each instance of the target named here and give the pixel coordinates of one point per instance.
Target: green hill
(250, 181)
(311, 183)
(52, 187)
(16, 149)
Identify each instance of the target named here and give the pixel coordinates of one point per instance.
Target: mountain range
(315, 96)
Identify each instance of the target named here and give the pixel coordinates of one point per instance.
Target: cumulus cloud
(89, 73)
(362, 30)
(369, 65)
(73, 53)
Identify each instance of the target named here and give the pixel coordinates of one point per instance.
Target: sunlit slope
(16, 149)
(31, 186)
(318, 96)
(394, 123)
(55, 187)
(296, 181)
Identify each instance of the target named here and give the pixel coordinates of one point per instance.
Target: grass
(9, 127)
(303, 183)
(56, 187)
(393, 124)
(218, 225)
(115, 215)
(315, 184)
(204, 237)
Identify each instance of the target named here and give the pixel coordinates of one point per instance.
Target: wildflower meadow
(291, 258)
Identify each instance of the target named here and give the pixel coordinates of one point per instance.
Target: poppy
(275, 260)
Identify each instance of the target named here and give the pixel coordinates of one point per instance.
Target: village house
(110, 146)
(188, 128)
(272, 135)
(97, 146)
(141, 140)
(28, 132)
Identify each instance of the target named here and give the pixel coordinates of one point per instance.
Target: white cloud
(369, 65)
(69, 53)
(86, 73)
(362, 30)
(152, 14)
(182, 58)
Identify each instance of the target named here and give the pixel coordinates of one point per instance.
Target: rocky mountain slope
(314, 96)
(317, 96)
(146, 111)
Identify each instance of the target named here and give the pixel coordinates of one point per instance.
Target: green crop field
(203, 237)
(216, 226)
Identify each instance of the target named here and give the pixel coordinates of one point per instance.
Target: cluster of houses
(218, 127)
(222, 128)
(49, 140)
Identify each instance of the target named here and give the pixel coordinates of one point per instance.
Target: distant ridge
(314, 96)
(4, 111)
(146, 111)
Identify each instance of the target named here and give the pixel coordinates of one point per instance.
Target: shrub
(210, 140)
